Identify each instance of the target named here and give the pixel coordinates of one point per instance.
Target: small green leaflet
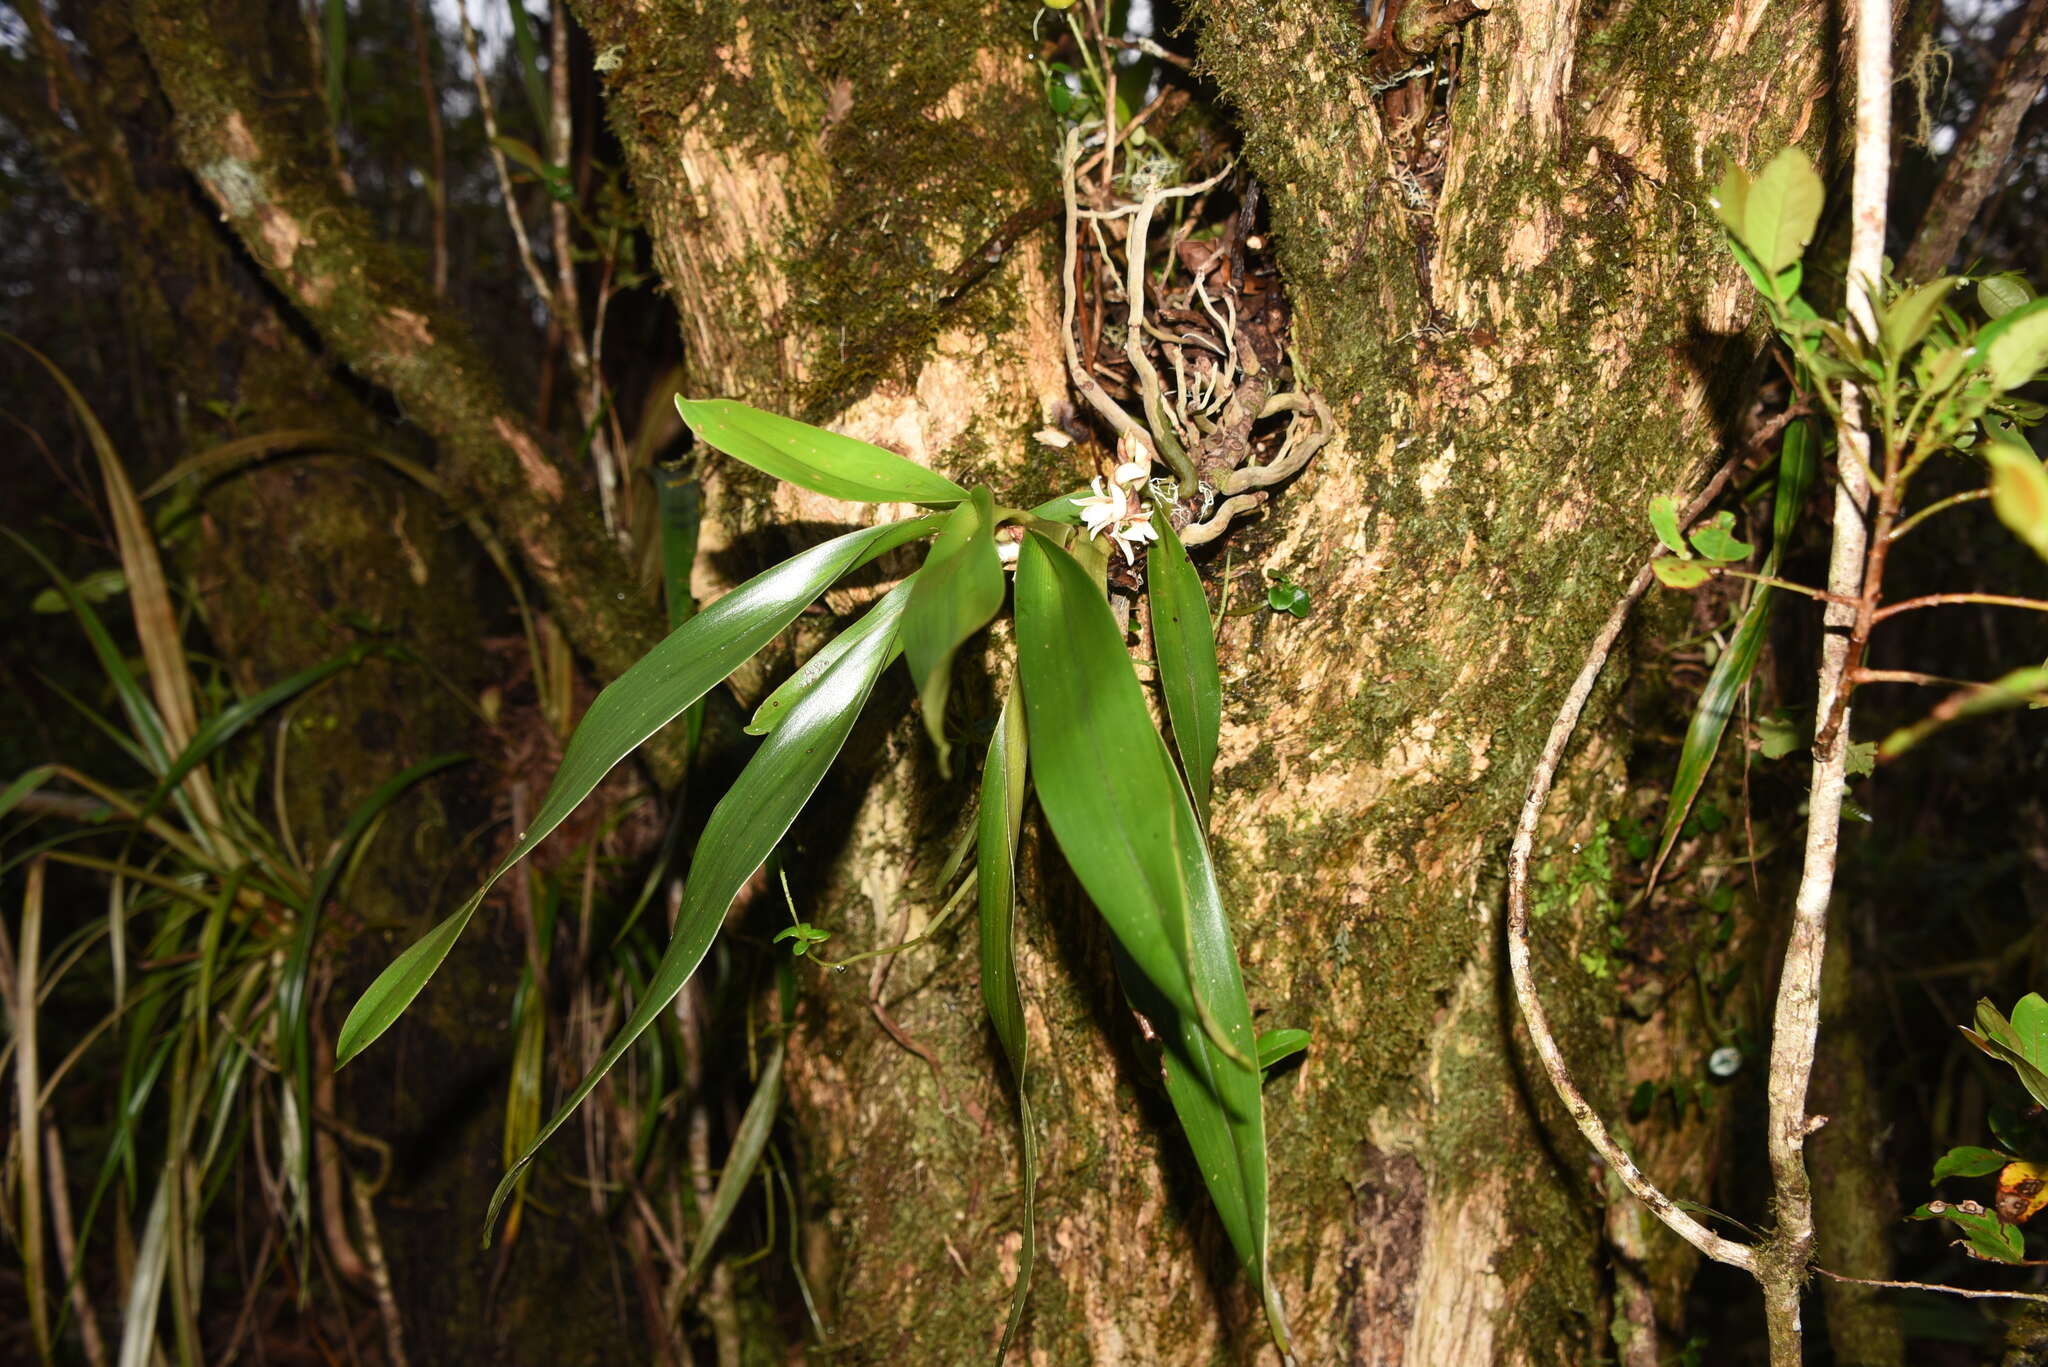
(1664, 521)
(1907, 321)
(959, 589)
(811, 458)
(1772, 215)
(1999, 295)
(683, 668)
(1276, 1046)
(1674, 573)
(1715, 539)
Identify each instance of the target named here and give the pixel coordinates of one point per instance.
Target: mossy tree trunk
(1525, 322)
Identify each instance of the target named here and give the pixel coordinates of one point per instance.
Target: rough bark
(1523, 346)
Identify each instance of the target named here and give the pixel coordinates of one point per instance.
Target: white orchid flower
(1120, 509)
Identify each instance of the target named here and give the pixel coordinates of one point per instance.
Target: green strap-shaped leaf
(1002, 810)
(1797, 463)
(682, 669)
(812, 458)
(883, 616)
(2026, 686)
(739, 836)
(1126, 826)
(1184, 643)
(749, 1141)
(959, 589)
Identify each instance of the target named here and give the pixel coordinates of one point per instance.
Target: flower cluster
(1121, 509)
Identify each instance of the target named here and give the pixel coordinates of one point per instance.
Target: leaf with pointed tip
(1907, 321)
(1664, 522)
(812, 458)
(1125, 825)
(741, 833)
(1781, 210)
(1797, 463)
(958, 590)
(2019, 688)
(683, 668)
(1275, 1046)
(749, 1142)
(1001, 817)
(1184, 644)
(1716, 540)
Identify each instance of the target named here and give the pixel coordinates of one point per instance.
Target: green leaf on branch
(2021, 687)
(1969, 1161)
(1912, 314)
(1999, 295)
(1674, 573)
(1284, 595)
(812, 458)
(683, 668)
(2019, 491)
(2014, 348)
(1774, 212)
(742, 831)
(1125, 824)
(1184, 644)
(1664, 521)
(1715, 539)
(1988, 1236)
(959, 589)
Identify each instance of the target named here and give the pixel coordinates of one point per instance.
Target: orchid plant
(1075, 726)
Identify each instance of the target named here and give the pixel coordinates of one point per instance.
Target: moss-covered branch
(259, 158)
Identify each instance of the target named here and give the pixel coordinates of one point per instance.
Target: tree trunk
(1524, 319)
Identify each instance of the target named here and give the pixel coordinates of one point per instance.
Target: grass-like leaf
(742, 831)
(958, 590)
(1184, 643)
(812, 458)
(1126, 826)
(2021, 687)
(682, 669)
(1002, 810)
(1797, 462)
(883, 616)
(749, 1141)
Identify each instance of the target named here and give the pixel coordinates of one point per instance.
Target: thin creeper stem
(1538, 1020)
